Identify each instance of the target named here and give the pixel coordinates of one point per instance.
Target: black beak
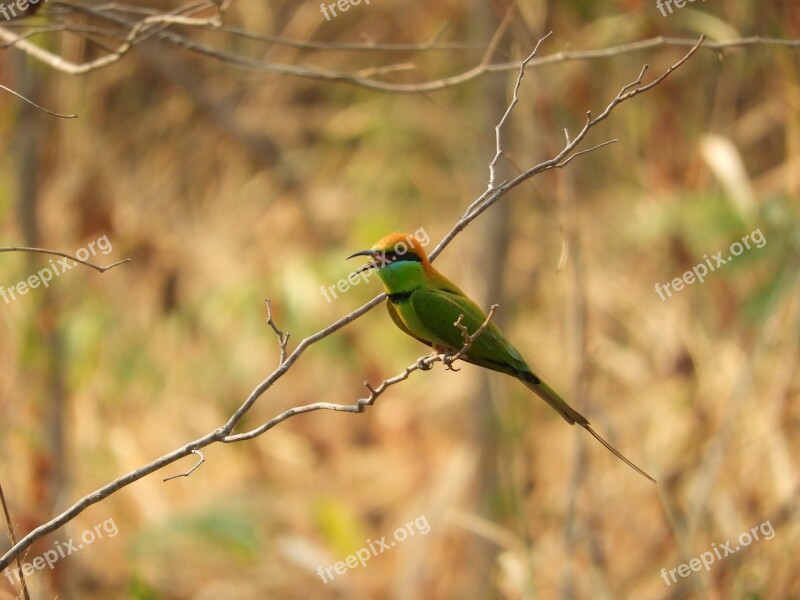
(370, 265)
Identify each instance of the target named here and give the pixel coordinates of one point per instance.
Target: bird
(424, 304)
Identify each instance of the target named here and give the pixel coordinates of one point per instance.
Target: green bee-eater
(425, 305)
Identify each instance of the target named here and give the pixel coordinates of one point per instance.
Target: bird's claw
(423, 366)
(448, 365)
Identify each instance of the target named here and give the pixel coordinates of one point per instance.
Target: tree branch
(224, 433)
(32, 103)
(151, 23)
(423, 363)
(64, 255)
(567, 153)
(283, 338)
(11, 535)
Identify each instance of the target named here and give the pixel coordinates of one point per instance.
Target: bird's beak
(373, 264)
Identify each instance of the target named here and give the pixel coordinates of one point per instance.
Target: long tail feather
(616, 452)
(546, 393)
(572, 416)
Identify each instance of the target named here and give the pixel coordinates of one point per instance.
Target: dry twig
(32, 103)
(131, 26)
(12, 536)
(64, 255)
(283, 338)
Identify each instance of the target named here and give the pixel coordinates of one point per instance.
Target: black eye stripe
(393, 256)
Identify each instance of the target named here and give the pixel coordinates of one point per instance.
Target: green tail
(546, 393)
(572, 416)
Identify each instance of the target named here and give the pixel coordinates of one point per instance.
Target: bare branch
(497, 36)
(567, 153)
(32, 103)
(63, 254)
(431, 45)
(283, 338)
(586, 151)
(224, 433)
(102, 493)
(470, 339)
(512, 104)
(19, 572)
(421, 364)
(139, 31)
(200, 461)
(133, 25)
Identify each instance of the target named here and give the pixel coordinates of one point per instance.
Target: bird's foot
(427, 366)
(448, 364)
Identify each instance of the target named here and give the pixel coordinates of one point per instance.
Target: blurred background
(225, 186)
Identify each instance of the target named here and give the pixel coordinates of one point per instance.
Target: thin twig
(498, 128)
(19, 572)
(157, 22)
(200, 461)
(421, 364)
(32, 103)
(498, 34)
(567, 153)
(156, 25)
(63, 254)
(431, 45)
(283, 338)
(470, 339)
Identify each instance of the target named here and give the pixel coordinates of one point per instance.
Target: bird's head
(399, 258)
(395, 247)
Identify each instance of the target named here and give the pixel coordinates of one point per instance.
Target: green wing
(439, 309)
(399, 322)
(490, 350)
